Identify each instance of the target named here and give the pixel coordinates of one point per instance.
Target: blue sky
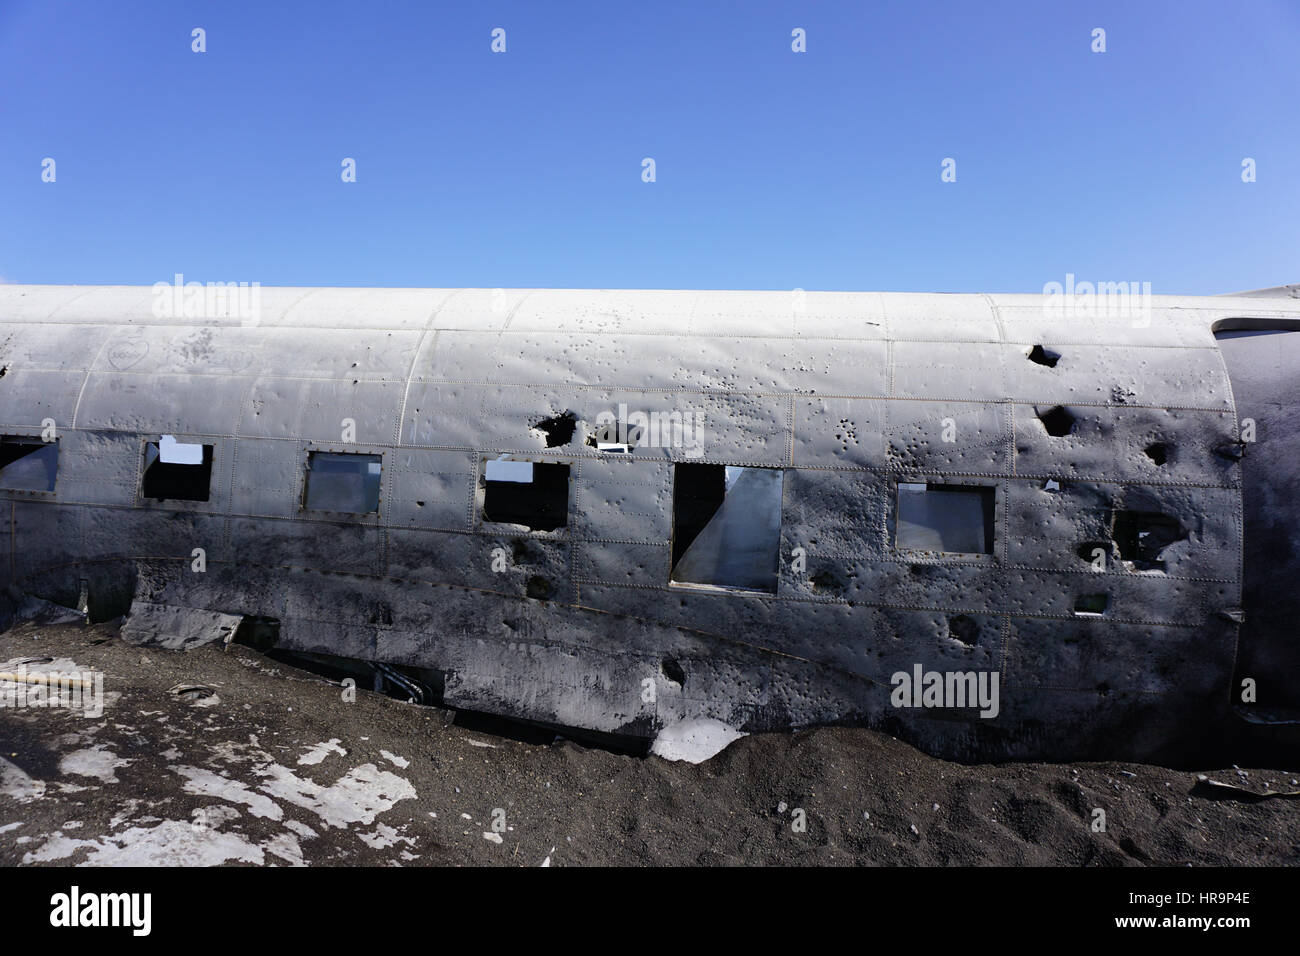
(775, 169)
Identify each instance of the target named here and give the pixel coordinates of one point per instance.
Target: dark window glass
(28, 464)
(1091, 605)
(947, 518)
(343, 482)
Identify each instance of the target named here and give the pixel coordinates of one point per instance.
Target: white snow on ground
(400, 762)
(15, 783)
(206, 783)
(358, 796)
(304, 831)
(98, 762)
(128, 807)
(286, 847)
(320, 752)
(384, 836)
(217, 816)
(172, 843)
(694, 741)
(231, 752)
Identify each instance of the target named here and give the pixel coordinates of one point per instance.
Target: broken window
(343, 482)
(28, 464)
(535, 494)
(726, 526)
(177, 470)
(949, 518)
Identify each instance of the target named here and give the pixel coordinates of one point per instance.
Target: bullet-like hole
(1042, 356)
(963, 628)
(558, 429)
(1057, 420)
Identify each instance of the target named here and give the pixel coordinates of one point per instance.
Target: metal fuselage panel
(849, 394)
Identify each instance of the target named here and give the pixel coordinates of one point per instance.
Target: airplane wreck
(1069, 533)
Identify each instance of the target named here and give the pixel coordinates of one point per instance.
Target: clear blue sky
(775, 170)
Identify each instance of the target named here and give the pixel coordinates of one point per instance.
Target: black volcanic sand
(107, 790)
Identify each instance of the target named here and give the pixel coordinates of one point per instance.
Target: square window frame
(483, 525)
(926, 556)
(181, 504)
(304, 470)
(35, 492)
(775, 591)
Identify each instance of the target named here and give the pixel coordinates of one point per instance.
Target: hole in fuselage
(963, 628)
(558, 429)
(1142, 537)
(1057, 420)
(1042, 356)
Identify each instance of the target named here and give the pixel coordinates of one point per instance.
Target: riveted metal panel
(304, 409)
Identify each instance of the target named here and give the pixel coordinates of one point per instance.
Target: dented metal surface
(850, 394)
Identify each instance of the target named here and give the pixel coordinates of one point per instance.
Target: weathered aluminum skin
(847, 392)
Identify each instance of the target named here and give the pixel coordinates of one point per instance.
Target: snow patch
(215, 817)
(304, 831)
(171, 843)
(285, 846)
(694, 741)
(205, 783)
(98, 762)
(320, 752)
(384, 836)
(358, 796)
(15, 783)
